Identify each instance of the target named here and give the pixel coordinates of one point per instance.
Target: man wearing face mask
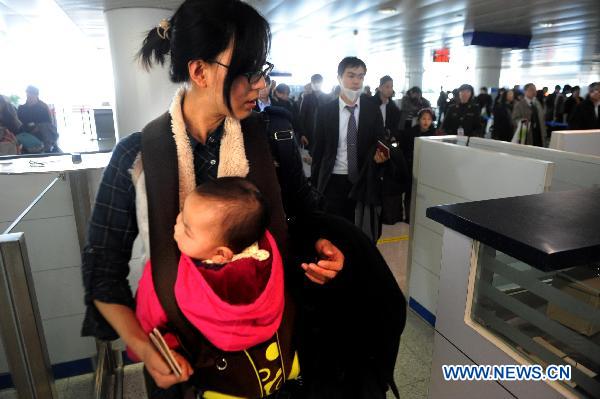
(308, 111)
(346, 137)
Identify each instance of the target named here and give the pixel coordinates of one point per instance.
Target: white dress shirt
(341, 160)
(383, 108)
(262, 105)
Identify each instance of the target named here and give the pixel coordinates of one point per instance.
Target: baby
(230, 275)
(220, 219)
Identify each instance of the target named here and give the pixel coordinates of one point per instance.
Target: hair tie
(163, 29)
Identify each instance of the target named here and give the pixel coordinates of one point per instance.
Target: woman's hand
(332, 261)
(160, 370)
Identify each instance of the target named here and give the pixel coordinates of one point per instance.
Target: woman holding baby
(228, 309)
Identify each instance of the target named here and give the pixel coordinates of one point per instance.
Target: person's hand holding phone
(329, 263)
(159, 369)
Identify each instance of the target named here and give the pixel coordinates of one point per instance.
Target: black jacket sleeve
(319, 145)
(298, 195)
(350, 328)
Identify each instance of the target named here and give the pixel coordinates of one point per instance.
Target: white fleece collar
(232, 154)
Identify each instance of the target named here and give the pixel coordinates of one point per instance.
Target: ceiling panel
(342, 27)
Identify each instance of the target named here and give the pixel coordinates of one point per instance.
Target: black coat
(408, 144)
(550, 103)
(351, 327)
(307, 117)
(484, 100)
(370, 129)
(503, 125)
(289, 106)
(392, 117)
(584, 117)
(465, 115)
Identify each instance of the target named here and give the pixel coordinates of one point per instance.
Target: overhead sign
(497, 40)
(441, 55)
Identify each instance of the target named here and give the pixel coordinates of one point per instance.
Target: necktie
(352, 140)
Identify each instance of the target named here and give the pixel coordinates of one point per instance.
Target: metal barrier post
(109, 364)
(20, 322)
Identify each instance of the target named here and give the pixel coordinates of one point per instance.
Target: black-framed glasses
(253, 77)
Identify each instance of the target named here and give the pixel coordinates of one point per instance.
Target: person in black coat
(389, 110)
(281, 98)
(344, 138)
(396, 175)
(423, 128)
(504, 128)
(307, 116)
(587, 114)
(349, 333)
(571, 103)
(484, 100)
(463, 117)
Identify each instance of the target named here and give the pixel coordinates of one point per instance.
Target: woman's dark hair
(245, 215)
(350, 62)
(416, 89)
(504, 96)
(201, 30)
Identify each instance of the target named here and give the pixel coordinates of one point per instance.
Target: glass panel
(549, 317)
(55, 262)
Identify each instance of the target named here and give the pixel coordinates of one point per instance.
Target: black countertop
(549, 231)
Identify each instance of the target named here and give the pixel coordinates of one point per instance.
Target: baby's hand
(160, 370)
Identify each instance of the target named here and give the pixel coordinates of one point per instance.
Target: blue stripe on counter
(422, 311)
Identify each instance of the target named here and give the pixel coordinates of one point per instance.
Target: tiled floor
(412, 367)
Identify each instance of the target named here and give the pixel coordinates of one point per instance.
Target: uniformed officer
(463, 119)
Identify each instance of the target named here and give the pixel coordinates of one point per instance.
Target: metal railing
(21, 326)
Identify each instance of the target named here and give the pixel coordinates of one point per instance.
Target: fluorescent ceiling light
(546, 25)
(388, 11)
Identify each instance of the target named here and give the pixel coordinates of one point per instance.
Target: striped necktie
(352, 140)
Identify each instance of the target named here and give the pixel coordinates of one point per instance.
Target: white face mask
(316, 86)
(350, 94)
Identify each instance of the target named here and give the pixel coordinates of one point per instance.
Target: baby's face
(198, 228)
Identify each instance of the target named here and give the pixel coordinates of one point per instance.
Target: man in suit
(308, 111)
(264, 96)
(389, 110)
(346, 137)
(530, 111)
(550, 103)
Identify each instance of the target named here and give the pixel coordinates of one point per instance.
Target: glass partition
(546, 318)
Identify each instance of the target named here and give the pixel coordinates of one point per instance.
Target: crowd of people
(525, 116)
(28, 129)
